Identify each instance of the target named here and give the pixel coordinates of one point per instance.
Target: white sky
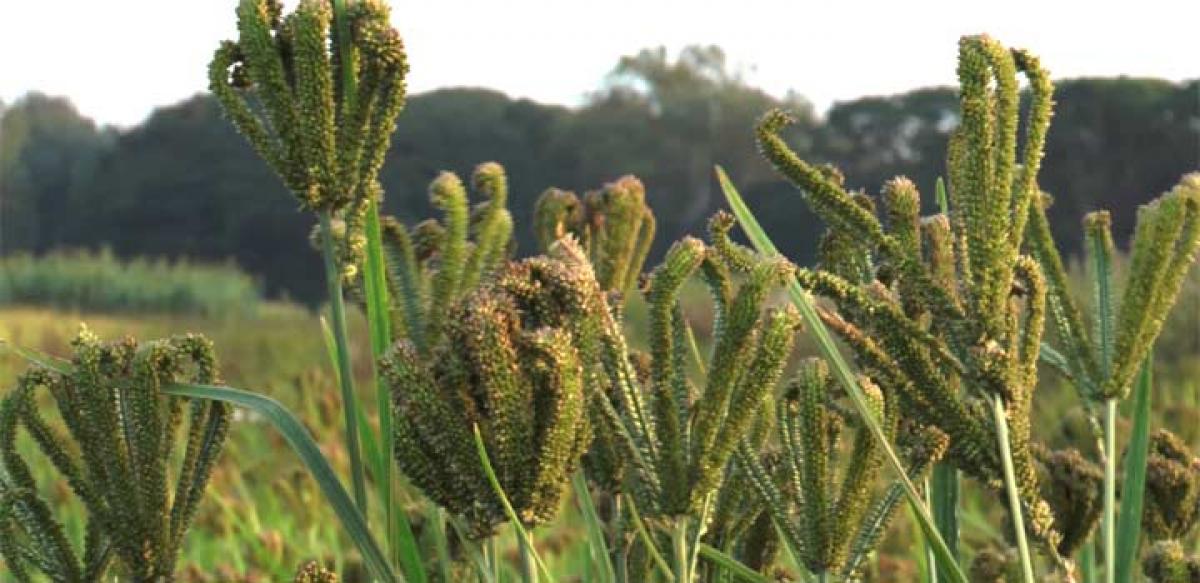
(117, 60)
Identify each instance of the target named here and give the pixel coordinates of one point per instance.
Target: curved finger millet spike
(516, 357)
(556, 214)
(1172, 488)
(1165, 243)
(436, 262)
(614, 225)
(491, 224)
(117, 456)
(943, 311)
(994, 566)
(281, 84)
(1166, 561)
(1072, 486)
(831, 512)
(676, 432)
(313, 572)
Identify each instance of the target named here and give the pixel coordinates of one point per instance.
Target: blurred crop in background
(100, 282)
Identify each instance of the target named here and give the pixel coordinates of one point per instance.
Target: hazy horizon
(122, 61)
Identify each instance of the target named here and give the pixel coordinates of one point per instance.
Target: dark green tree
(48, 152)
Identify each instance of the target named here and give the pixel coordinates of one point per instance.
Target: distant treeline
(184, 184)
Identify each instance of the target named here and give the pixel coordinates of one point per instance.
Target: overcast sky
(117, 60)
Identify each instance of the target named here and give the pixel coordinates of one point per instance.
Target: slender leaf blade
(1087, 562)
(310, 454)
(400, 534)
(739, 571)
(597, 545)
(522, 534)
(41, 359)
(944, 490)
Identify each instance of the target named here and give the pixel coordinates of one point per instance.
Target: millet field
(928, 380)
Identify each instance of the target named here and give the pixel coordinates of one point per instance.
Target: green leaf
(944, 489)
(1087, 562)
(403, 541)
(737, 569)
(803, 301)
(1133, 488)
(597, 545)
(41, 359)
(310, 454)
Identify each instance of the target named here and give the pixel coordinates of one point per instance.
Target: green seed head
(994, 566)
(324, 129)
(516, 357)
(1167, 562)
(313, 572)
(120, 455)
(1072, 486)
(614, 225)
(557, 214)
(1172, 488)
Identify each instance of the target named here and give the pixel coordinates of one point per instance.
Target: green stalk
(1102, 268)
(1010, 485)
(829, 350)
(400, 536)
(365, 434)
(1133, 490)
(333, 279)
(700, 530)
(1109, 526)
(681, 554)
(491, 560)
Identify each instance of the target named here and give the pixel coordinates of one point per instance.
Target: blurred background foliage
(184, 184)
